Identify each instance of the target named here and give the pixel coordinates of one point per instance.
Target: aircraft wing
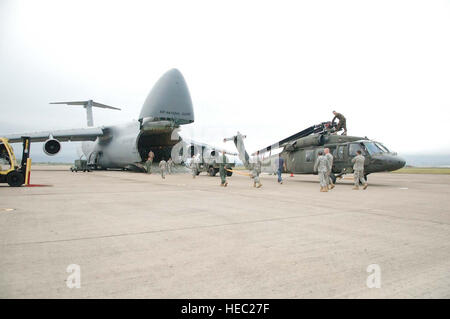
(81, 134)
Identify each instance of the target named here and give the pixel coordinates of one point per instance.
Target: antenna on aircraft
(88, 106)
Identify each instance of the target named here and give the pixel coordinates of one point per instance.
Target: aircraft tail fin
(169, 100)
(88, 105)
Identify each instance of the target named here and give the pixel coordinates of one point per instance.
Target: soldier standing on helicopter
(342, 122)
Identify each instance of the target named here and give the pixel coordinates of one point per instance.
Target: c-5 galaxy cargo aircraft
(300, 152)
(167, 107)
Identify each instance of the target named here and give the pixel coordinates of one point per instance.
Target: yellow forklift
(10, 172)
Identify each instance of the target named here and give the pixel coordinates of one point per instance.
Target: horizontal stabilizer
(96, 104)
(88, 105)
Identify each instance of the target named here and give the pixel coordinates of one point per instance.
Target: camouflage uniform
(256, 170)
(170, 165)
(342, 123)
(223, 172)
(322, 166)
(193, 166)
(149, 162)
(329, 158)
(358, 171)
(163, 167)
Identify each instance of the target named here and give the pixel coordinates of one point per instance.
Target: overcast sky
(265, 68)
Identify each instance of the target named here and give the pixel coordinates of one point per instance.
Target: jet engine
(52, 147)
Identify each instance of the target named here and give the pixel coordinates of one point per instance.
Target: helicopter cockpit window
(372, 148)
(382, 147)
(309, 155)
(353, 148)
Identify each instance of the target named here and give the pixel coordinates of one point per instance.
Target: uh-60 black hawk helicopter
(300, 151)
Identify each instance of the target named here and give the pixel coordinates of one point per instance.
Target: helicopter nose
(397, 163)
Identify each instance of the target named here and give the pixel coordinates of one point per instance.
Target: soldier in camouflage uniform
(222, 171)
(149, 162)
(358, 170)
(329, 157)
(342, 122)
(193, 166)
(163, 167)
(170, 165)
(322, 166)
(256, 170)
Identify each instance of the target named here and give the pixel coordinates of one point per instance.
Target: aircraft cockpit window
(372, 148)
(382, 147)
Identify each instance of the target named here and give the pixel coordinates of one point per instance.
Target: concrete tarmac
(135, 235)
